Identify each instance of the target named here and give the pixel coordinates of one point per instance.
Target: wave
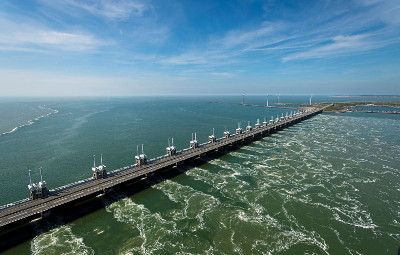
(60, 240)
(253, 220)
(195, 204)
(155, 233)
(32, 121)
(242, 155)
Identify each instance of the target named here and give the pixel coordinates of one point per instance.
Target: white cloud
(222, 74)
(340, 45)
(116, 9)
(24, 36)
(267, 33)
(371, 24)
(226, 49)
(183, 59)
(143, 22)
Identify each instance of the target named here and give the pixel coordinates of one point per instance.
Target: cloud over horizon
(277, 42)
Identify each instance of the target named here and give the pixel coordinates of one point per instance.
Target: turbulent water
(328, 185)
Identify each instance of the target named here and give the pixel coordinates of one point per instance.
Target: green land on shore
(340, 107)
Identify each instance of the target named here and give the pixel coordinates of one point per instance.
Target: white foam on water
(236, 168)
(98, 231)
(215, 180)
(314, 167)
(262, 166)
(344, 207)
(195, 203)
(255, 149)
(350, 214)
(236, 247)
(253, 213)
(277, 236)
(32, 121)
(244, 168)
(157, 235)
(154, 231)
(227, 185)
(297, 234)
(257, 215)
(243, 155)
(351, 251)
(297, 170)
(60, 240)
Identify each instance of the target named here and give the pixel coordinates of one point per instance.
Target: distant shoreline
(337, 107)
(341, 107)
(396, 96)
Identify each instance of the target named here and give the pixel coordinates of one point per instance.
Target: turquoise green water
(374, 108)
(329, 185)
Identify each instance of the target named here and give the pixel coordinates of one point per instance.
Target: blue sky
(166, 47)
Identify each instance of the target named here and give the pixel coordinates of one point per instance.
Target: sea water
(328, 185)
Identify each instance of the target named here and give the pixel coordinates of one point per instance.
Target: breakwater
(30, 209)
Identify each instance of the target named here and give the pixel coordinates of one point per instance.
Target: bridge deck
(38, 206)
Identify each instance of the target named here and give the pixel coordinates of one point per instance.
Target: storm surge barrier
(29, 209)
